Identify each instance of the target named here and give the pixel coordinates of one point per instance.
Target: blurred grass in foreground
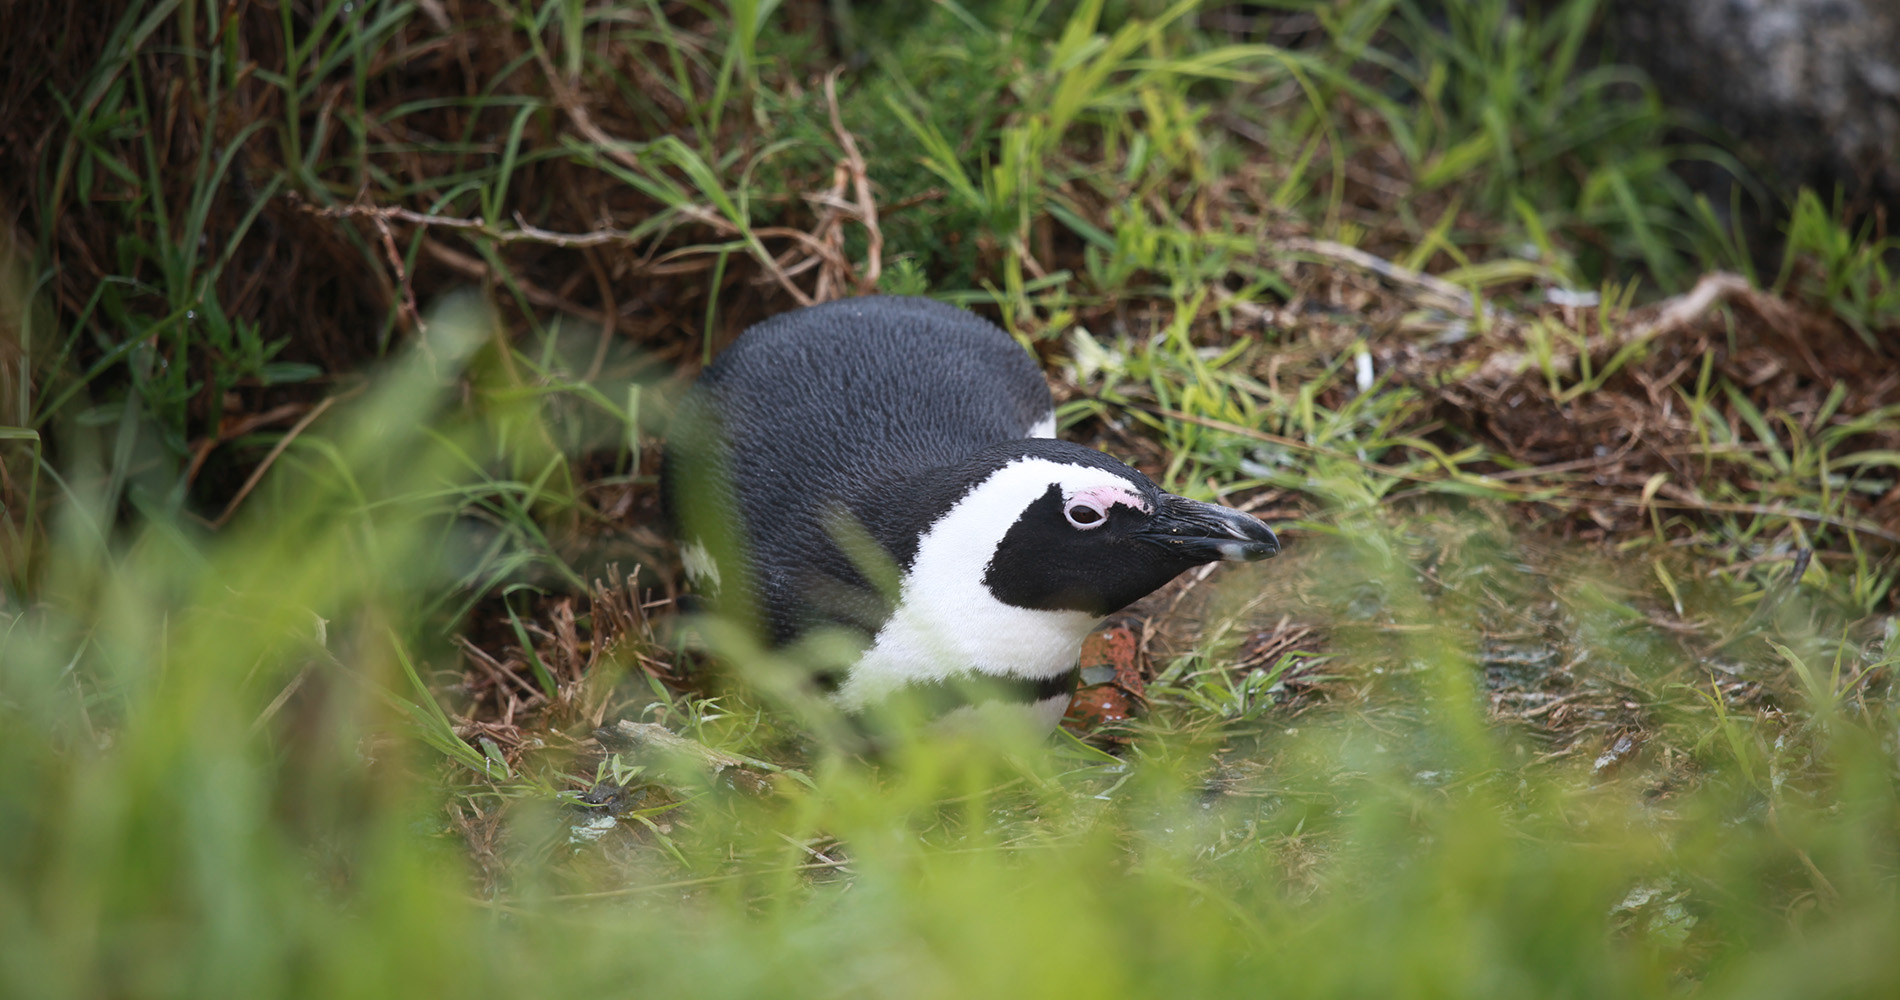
(211, 784)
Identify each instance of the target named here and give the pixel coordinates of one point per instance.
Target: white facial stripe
(1044, 428)
(947, 622)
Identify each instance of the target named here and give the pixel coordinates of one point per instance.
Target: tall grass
(217, 781)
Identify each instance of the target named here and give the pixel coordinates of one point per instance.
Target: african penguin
(889, 465)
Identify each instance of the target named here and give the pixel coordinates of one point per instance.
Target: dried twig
(520, 233)
(503, 677)
(411, 316)
(860, 186)
(1671, 316)
(1678, 312)
(257, 474)
(479, 269)
(231, 430)
(615, 149)
(1438, 292)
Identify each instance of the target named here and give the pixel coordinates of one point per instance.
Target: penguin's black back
(827, 409)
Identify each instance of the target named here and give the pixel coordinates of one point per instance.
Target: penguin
(888, 466)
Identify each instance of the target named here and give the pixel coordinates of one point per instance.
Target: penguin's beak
(1205, 532)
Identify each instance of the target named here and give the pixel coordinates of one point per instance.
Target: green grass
(174, 830)
(1576, 677)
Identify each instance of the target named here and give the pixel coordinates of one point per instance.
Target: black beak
(1204, 532)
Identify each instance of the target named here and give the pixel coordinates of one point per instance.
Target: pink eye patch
(1104, 497)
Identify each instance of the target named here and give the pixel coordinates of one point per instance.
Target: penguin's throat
(947, 622)
(925, 642)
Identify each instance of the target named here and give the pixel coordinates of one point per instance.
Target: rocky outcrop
(1810, 87)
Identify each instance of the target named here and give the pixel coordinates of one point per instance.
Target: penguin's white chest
(947, 623)
(933, 639)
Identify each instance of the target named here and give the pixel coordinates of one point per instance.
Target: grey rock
(1811, 87)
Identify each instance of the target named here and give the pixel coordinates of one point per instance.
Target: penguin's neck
(946, 623)
(897, 511)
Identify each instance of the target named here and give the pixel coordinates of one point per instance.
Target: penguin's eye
(1085, 514)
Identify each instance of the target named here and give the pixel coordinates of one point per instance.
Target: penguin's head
(1048, 525)
(1014, 557)
(1090, 534)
